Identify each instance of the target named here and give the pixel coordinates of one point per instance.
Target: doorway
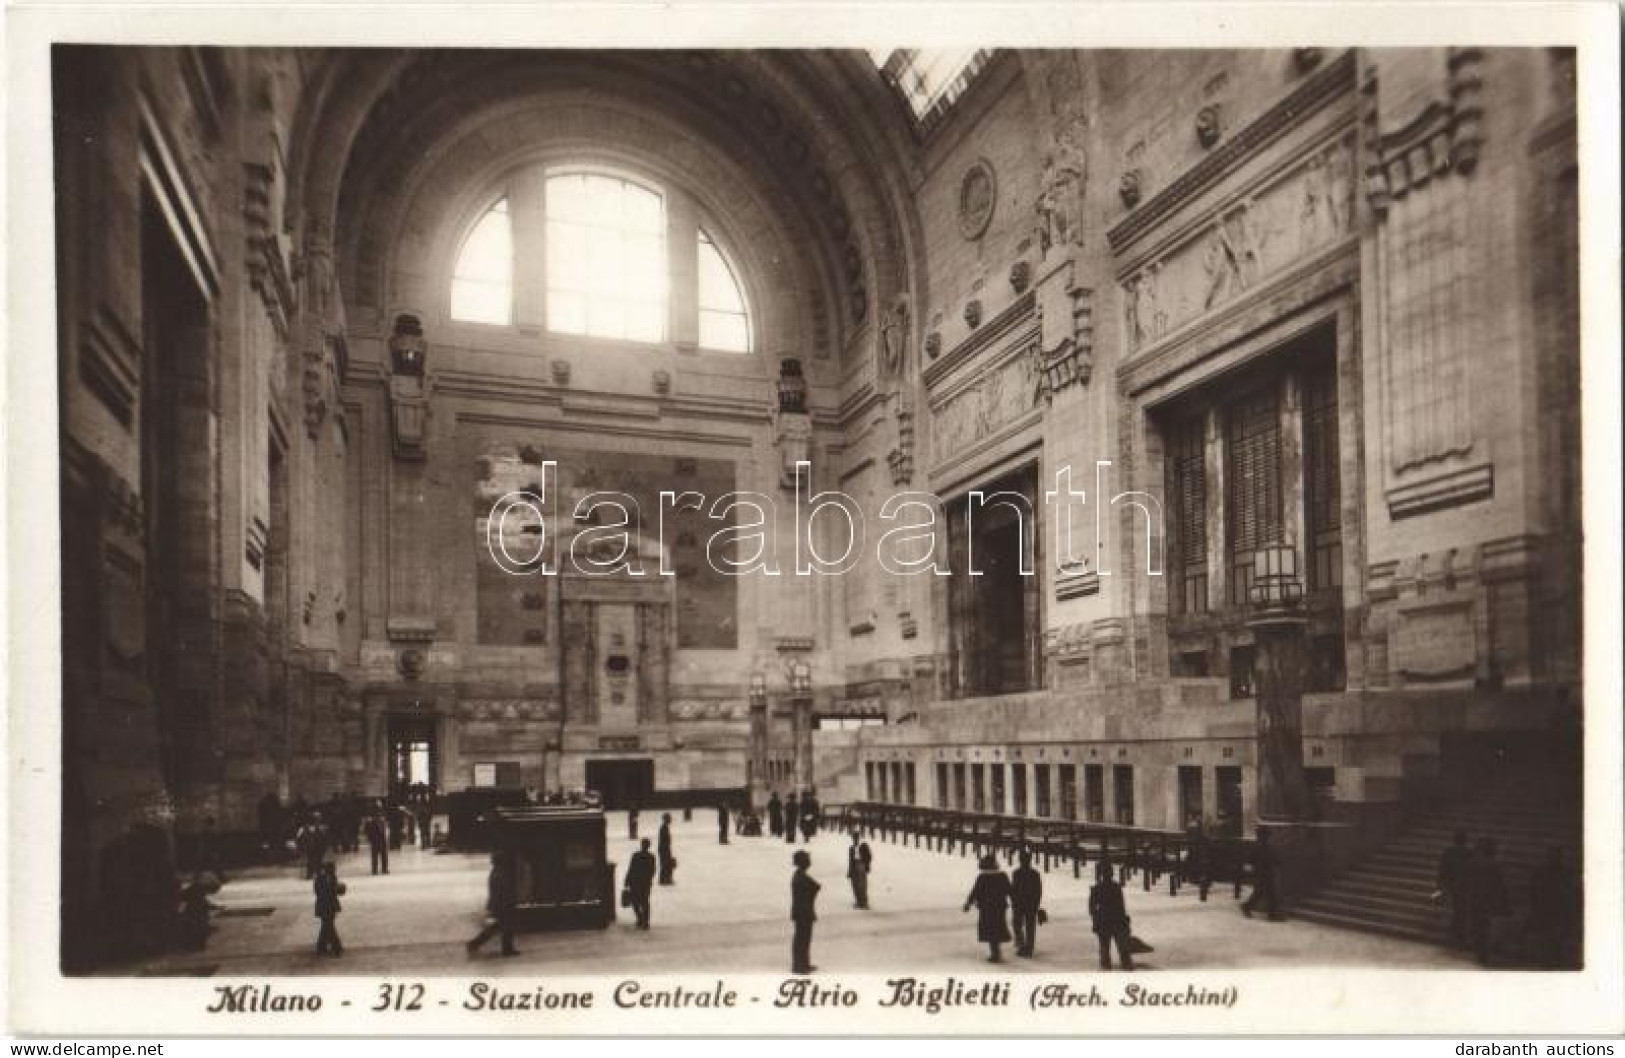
(622, 783)
(414, 756)
(1190, 796)
(1228, 798)
(994, 618)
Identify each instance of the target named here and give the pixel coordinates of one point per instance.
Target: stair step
(1381, 887)
(1418, 875)
(1422, 910)
(1362, 924)
(1419, 925)
(1384, 877)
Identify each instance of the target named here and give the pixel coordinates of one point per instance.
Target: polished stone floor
(730, 912)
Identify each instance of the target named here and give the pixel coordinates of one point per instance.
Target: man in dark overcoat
(803, 897)
(668, 862)
(775, 815)
(1026, 894)
(328, 890)
(640, 879)
(1108, 916)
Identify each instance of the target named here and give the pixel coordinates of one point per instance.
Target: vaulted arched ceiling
(815, 133)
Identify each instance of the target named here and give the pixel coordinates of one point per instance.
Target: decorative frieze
(1315, 92)
(511, 710)
(996, 398)
(1258, 234)
(693, 709)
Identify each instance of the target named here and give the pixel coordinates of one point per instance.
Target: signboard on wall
(503, 773)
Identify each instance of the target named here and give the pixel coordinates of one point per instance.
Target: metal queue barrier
(1143, 853)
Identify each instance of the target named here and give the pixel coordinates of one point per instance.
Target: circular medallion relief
(977, 192)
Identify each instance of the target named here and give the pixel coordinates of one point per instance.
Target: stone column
(1285, 805)
(801, 710)
(1280, 671)
(757, 780)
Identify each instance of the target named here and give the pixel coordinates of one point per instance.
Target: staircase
(1390, 891)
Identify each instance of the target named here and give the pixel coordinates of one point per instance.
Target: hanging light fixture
(1276, 583)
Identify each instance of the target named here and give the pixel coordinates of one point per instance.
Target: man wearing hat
(1109, 918)
(803, 894)
(1026, 893)
(859, 861)
(668, 862)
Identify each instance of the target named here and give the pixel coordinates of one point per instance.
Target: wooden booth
(565, 879)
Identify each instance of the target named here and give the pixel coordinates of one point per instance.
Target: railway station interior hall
(475, 437)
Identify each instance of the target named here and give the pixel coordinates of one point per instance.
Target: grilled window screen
(1253, 503)
(1187, 474)
(1321, 485)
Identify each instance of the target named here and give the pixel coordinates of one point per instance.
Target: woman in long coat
(991, 895)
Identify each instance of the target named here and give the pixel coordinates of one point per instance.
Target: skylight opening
(930, 79)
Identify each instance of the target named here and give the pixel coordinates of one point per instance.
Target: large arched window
(482, 282)
(724, 323)
(607, 256)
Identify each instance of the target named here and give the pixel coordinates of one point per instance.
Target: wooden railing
(1141, 852)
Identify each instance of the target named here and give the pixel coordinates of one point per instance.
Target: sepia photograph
(848, 529)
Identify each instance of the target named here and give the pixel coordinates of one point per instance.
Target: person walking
(328, 890)
(792, 818)
(425, 821)
(803, 897)
(1026, 894)
(640, 879)
(991, 897)
(668, 862)
(859, 862)
(775, 815)
(1198, 868)
(1451, 883)
(722, 824)
(1486, 899)
(313, 844)
(809, 815)
(1108, 917)
(377, 831)
(632, 824)
(501, 897)
(1265, 871)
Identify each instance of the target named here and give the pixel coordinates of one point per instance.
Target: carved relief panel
(1257, 233)
(987, 402)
